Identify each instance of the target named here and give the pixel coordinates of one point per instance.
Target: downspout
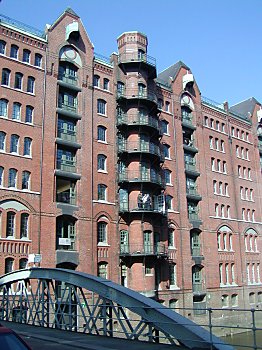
(41, 159)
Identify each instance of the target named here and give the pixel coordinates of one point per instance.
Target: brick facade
(132, 176)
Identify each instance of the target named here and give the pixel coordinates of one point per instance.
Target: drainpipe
(41, 159)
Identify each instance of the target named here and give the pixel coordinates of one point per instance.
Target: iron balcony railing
(137, 119)
(190, 165)
(143, 147)
(146, 94)
(66, 135)
(65, 197)
(68, 78)
(150, 207)
(187, 119)
(196, 251)
(197, 287)
(136, 57)
(142, 176)
(143, 249)
(103, 59)
(192, 190)
(66, 165)
(193, 215)
(68, 106)
(188, 142)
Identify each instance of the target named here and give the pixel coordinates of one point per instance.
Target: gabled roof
(245, 107)
(171, 72)
(72, 12)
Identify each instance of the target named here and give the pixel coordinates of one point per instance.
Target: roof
(171, 72)
(72, 12)
(245, 108)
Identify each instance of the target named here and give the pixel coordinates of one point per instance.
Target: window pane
(10, 224)
(3, 108)
(12, 178)
(101, 232)
(25, 180)
(24, 225)
(30, 84)
(38, 60)
(26, 56)
(16, 111)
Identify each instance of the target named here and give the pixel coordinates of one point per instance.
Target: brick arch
(17, 199)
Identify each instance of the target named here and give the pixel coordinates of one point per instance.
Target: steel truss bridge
(75, 301)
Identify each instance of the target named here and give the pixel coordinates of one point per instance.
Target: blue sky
(220, 40)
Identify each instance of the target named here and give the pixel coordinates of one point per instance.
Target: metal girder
(58, 297)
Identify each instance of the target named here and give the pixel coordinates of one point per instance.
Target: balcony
(189, 145)
(190, 168)
(138, 60)
(68, 81)
(141, 147)
(158, 250)
(193, 217)
(152, 206)
(192, 194)
(187, 122)
(66, 198)
(139, 120)
(69, 110)
(142, 176)
(197, 288)
(67, 138)
(147, 96)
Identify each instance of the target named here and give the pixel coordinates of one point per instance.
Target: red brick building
(112, 169)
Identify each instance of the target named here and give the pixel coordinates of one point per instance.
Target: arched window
(23, 263)
(106, 84)
(2, 140)
(101, 133)
(10, 224)
(102, 232)
(167, 175)
(1, 176)
(16, 115)
(18, 81)
(169, 202)
(12, 178)
(9, 265)
(166, 151)
(14, 144)
(3, 107)
(101, 162)
(27, 146)
(24, 225)
(14, 51)
(38, 60)
(5, 77)
(96, 80)
(101, 106)
(26, 56)
(26, 180)
(141, 90)
(172, 275)
(2, 47)
(102, 270)
(29, 114)
(31, 84)
(101, 192)
(171, 238)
